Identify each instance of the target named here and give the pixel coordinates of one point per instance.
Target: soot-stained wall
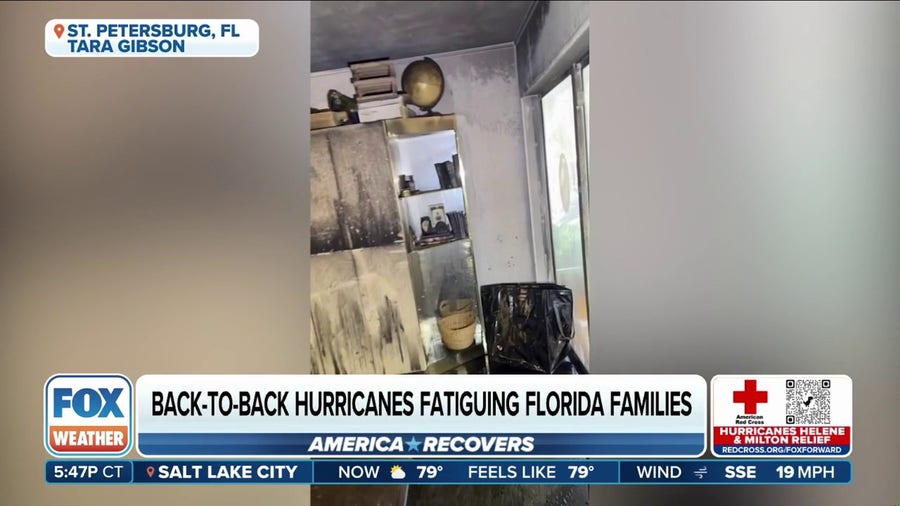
(482, 89)
(555, 33)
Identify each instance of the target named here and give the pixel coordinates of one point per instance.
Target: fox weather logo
(88, 415)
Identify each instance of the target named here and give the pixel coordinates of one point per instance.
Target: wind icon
(700, 473)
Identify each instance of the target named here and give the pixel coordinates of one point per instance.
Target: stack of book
(433, 240)
(458, 224)
(377, 97)
(380, 109)
(448, 175)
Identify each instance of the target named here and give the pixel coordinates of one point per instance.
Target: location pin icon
(58, 30)
(150, 471)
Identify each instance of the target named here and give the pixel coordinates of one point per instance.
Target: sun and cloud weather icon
(398, 473)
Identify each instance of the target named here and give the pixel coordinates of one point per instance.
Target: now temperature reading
(429, 472)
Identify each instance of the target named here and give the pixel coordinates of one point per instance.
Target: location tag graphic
(58, 30)
(150, 471)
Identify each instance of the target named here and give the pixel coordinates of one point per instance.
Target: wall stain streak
(364, 314)
(365, 184)
(327, 232)
(352, 188)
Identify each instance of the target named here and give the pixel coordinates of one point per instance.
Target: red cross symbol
(750, 397)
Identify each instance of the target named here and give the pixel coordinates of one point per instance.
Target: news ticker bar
(448, 471)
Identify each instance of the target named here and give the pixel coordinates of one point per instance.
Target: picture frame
(425, 227)
(440, 223)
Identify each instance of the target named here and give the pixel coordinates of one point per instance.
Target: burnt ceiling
(348, 31)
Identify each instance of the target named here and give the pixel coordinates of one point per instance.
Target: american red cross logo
(750, 397)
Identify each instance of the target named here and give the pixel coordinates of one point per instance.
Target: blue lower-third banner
(448, 471)
(422, 445)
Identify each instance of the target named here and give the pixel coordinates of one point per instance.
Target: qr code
(808, 402)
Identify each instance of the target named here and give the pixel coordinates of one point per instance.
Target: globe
(423, 83)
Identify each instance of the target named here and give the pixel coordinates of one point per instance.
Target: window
(586, 83)
(564, 196)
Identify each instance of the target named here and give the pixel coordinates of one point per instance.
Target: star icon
(413, 445)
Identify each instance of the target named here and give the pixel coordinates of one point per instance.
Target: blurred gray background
(154, 218)
(744, 219)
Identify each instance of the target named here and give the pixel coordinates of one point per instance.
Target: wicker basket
(457, 330)
(446, 307)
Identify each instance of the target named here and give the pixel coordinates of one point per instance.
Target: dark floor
(450, 495)
(357, 495)
(491, 495)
